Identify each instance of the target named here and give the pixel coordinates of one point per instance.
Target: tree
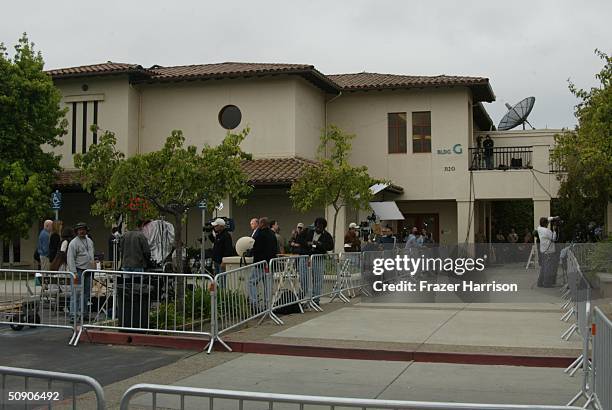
(586, 152)
(170, 181)
(30, 119)
(97, 166)
(334, 182)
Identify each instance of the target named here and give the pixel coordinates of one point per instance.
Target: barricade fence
(325, 281)
(168, 303)
(244, 294)
(601, 373)
(191, 304)
(580, 295)
(351, 273)
(36, 298)
(290, 277)
(39, 387)
(64, 389)
(158, 396)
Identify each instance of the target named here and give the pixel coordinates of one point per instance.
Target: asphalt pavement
(48, 349)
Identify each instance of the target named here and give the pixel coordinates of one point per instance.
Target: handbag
(59, 260)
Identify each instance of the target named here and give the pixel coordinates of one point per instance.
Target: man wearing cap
(80, 257)
(294, 246)
(222, 243)
(352, 243)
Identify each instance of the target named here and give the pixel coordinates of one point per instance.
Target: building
(419, 132)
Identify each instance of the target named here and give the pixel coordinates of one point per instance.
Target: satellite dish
(517, 115)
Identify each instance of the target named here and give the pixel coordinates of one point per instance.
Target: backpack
(287, 296)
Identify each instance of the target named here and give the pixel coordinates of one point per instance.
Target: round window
(230, 117)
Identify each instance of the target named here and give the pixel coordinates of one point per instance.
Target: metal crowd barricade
(36, 298)
(257, 400)
(601, 374)
(170, 303)
(580, 297)
(243, 294)
(367, 267)
(48, 386)
(572, 282)
(325, 279)
(290, 277)
(351, 273)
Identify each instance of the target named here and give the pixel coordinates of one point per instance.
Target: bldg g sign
(456, 149)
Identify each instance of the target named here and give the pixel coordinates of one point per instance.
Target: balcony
(555, 166)
(501, 158)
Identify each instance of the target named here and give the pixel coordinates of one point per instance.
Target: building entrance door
(431, 222)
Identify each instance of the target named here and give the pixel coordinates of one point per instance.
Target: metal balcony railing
(500, 158)
(555, 166)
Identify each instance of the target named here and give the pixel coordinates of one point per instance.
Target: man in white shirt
(547, 240)
(254, 226)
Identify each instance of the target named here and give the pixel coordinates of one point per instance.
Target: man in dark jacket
(222, 243)
(265, 246)
(135, 251)
(315, 241)
(264, 249)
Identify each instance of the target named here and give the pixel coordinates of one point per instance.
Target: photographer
(222, 243)
(315, 242)
(548, 265)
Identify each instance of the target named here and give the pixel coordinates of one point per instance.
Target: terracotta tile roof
(264, 171)
(377, 81)
(97, 69)
(224, 70)
(276, 170)
(330, 83)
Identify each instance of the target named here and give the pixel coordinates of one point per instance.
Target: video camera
(229, 225)
(555, 220)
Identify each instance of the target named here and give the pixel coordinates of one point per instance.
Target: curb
(198, 344)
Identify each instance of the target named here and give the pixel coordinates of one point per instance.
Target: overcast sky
(525, 48)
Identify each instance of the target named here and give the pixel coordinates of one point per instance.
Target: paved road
(47, 349)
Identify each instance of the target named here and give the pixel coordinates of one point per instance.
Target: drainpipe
(139, 119)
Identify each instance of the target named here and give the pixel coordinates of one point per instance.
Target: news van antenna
(517, 115)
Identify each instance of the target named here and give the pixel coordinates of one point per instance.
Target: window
(421, 131)
(83, 106)
(397, 132)
(230, 117)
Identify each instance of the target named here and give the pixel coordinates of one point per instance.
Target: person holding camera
(222, 243)
(315, 242)
(488, 152)
(547, 238)
(352, 243)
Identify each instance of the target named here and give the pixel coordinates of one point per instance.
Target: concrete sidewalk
(382, 380)
(528, 326)
(479, 329)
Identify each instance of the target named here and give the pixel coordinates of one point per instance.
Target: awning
(387, 211)
(395, 189)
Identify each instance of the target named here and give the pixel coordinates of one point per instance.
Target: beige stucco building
(418, 132)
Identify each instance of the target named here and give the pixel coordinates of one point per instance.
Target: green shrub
(197, 308)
